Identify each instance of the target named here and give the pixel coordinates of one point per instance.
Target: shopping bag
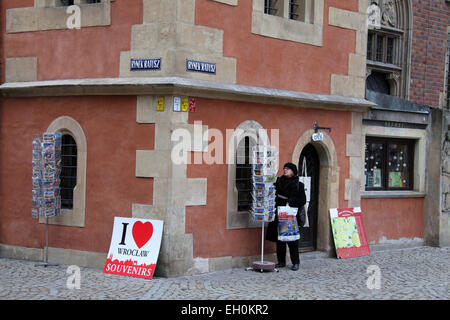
(287, 224)
(307, 183)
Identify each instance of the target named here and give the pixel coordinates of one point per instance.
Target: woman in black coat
(288, 190)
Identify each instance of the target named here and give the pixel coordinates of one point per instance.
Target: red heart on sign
(142, 232)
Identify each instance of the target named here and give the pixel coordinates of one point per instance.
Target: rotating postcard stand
(264, 172)
(46, 169)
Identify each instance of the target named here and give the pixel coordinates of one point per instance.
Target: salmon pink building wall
(92, 52)
(393, 219)
(275, 63)
(208, 223)
(113, 136)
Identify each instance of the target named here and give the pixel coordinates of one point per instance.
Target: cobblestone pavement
(414, 273)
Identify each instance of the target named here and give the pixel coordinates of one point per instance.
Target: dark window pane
(388, 164)
(370, 39)
(379, 49)
(68, 170)
(374, 163)
(377, 82)
(244, 175)
(398, 165)
(269, 7)
(294, 9)
(390, 50)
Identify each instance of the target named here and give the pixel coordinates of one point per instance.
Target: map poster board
(348, 232)
(134, 248)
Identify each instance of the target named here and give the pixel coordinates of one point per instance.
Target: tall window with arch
(388, 47)
(68, 170)
(244, 174)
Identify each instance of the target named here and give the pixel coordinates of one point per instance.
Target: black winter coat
(294, 191)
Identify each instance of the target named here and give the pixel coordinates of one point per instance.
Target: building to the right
(407, 135)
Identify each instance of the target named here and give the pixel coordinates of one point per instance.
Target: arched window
(68, 170)
(239, 200)
(244, 174)
(73, 172)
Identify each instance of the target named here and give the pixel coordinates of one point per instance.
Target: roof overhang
(181, 86)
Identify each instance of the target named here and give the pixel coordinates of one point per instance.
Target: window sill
(383, 65)
(286, 29)
(392, 194)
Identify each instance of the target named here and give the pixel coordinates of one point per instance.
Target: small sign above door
(317, 136)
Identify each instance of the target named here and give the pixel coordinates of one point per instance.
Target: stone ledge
(86, 259)
(183, 86)
(392, 194)
(229, 2)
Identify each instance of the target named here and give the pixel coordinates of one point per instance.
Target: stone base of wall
(86, 259)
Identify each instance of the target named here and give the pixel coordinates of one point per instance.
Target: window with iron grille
(300, 10)
(389, 164)
(380, 48)
(244, 183)
(68, 170)
(388, 46)
(72, 2)
(294, 9)
(270, 7)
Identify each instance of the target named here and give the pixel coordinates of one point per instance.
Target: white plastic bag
(307, 183)
(287, 224)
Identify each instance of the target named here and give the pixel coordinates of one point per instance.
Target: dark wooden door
(308, 235)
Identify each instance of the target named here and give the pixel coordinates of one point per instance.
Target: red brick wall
(429, 39)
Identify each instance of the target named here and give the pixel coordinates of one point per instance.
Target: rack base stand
(262, 266)
(45, 263)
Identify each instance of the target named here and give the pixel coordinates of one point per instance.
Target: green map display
(345, 232)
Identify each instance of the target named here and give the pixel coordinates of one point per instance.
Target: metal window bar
(390, 50)
(67, 2)
(293, 9)
(379, 49)
(243, 179)
(269, 7)
(370, 41)
(68, 170)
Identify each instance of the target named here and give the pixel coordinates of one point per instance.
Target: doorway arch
(309, 165)
(328, 185)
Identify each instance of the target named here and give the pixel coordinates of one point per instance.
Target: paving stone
(414, 273)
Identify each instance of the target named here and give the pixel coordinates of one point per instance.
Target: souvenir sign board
(46, 171)
(349, 233)
(264, 176)
(134, 248)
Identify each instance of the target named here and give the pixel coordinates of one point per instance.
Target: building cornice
(181, 86)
